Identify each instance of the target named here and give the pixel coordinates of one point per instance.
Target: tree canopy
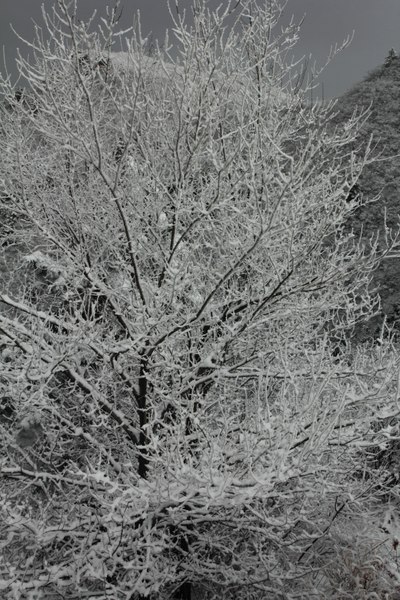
(182, 415)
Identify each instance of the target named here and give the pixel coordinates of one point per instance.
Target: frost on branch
(182, 412)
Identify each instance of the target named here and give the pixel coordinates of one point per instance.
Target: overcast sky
(376, 25)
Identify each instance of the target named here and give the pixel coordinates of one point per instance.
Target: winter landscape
(199, 365)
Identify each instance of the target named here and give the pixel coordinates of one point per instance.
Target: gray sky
(376, 24)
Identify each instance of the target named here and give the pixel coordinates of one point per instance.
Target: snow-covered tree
(181, 412)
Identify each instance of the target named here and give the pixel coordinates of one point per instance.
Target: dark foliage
(380, 181)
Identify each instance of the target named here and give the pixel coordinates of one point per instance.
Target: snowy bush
(177, 422)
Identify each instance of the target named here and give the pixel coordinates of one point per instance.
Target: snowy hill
(380, 92)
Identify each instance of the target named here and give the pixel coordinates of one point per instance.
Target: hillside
(380, 92)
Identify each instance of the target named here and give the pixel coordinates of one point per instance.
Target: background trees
(379, 92)
(174, 420)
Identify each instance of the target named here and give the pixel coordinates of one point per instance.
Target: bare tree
(175, 274)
